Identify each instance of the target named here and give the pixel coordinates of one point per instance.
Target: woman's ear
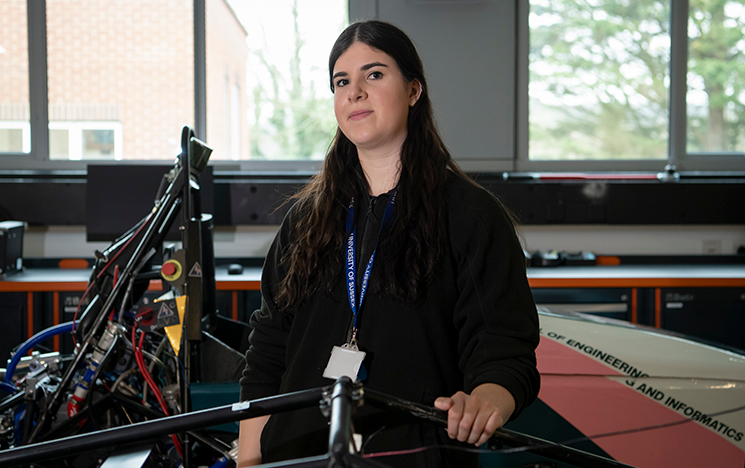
(415, 93)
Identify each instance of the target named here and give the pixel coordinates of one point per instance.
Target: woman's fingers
(470, 418)
(494, 422)
(443, 403)
(479, 426)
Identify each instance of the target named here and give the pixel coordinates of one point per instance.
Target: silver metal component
(670, 174)
(104, 343)
(352, 341)
(325, 404)
(233, 452)
(241, 406)
(172, 395)
(30, 389)
(358, 396)
(7, 435)
(36, 361)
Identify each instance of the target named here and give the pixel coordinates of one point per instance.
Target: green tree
(717, 59)
(605, 66)
(290, 120)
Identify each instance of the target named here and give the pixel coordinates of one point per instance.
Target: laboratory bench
(703, 300)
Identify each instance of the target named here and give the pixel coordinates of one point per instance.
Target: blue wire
(222, 462)
(11, 389)
(32, 342)
(183, 374)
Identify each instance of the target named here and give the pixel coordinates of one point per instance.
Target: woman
(445, 317)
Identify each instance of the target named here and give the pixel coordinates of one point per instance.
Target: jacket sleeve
(265, 358)
(495, 314)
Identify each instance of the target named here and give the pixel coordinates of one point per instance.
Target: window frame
(25, 128)
(38, 157)
(75, 138)
(677, 156)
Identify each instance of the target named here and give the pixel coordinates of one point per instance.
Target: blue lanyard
(350, 258)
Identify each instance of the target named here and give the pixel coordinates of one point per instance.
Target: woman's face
(372, 98)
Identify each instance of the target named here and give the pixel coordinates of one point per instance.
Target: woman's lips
(360, 114)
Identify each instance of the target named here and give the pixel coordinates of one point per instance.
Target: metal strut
(340, 399)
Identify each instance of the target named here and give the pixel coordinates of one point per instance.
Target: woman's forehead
(360, 54)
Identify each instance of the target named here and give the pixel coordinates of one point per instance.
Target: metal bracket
(357, 394)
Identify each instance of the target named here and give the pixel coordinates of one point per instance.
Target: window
(716, 77)
(119, 81)
(15, 136)
(599, 79)
(290, 106)
(603, 86)
(85, 140)
(600, 85)
(121, 78)
(14, 105)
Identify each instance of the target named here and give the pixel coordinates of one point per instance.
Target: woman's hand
(474, 418)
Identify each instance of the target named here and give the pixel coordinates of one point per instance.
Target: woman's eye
(376, 75)
(341, 83)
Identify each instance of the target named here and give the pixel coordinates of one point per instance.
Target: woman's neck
(381, 171)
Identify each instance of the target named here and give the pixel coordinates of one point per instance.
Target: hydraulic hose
(222, 462)
(8, 388)
(31, 343)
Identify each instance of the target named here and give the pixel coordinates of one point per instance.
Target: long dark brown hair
(409, 251)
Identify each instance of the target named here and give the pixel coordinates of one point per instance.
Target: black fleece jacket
(476, 324)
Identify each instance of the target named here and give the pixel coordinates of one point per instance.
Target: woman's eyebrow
(363, 68)
(372, 65)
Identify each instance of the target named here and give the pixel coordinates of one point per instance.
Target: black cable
(649, 428)
(526, 448)
(370, 437)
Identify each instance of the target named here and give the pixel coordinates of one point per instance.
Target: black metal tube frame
(177, 193)
(342, 404)
(161, 217)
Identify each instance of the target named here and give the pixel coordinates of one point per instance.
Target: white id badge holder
(344, 361)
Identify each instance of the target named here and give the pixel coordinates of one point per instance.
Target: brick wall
(227, 54)
(133, 58)
(13, 59)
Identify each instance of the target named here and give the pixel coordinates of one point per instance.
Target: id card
(344, 361)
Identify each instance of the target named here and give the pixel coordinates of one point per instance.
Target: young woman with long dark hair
(392, 255)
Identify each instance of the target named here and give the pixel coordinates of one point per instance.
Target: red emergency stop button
(168, 269)
(171, 270)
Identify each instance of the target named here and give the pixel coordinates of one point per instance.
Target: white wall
(69, 242)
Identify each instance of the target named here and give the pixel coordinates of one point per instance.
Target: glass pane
(98, 144)
(127, 64)
(11, 140)
(598, 79)
(282, 107)
(59, 144)
(14, 111)
(716, 77)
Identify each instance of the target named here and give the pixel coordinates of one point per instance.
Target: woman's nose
(355, 92)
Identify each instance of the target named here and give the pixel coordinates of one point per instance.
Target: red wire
(118, 252)
(82, 299)
(150, 382)
(116, 280)
(396, 452)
